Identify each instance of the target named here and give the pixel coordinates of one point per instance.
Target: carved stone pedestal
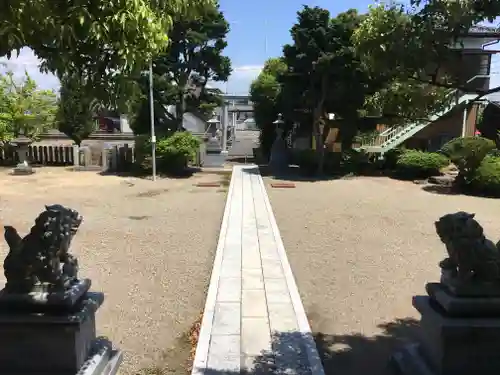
(455, 337)
(23, 169)
(56, 343)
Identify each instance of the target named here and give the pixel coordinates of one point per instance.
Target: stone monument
(90, 158)
(278, 160)
(460, 317)
(215, 155)
(47, 314)
(22, 144)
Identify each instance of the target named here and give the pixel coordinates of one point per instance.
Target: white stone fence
(98, 157)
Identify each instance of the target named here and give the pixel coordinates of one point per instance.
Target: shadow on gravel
(340, 354)
(453, 190)
(441, 190)
(186, 173)
(294, 173)
(241, 159)
(291, 173)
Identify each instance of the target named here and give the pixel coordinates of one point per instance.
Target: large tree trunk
(320, 153)
(318, 134)
(319, 138)
(180, 109)
(347, 134)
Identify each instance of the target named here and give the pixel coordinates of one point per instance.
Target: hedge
(173, 153)
(413, 164)
(467, 154)
(486, 178)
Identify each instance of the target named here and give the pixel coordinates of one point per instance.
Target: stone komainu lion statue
(472, 257)
(42, 256)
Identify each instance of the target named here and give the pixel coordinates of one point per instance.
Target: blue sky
(259, 29)
(252, 22)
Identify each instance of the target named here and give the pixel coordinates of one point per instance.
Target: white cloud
(240, 80)
(27, 61)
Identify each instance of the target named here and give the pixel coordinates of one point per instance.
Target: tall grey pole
(225, 120)
(152, 113)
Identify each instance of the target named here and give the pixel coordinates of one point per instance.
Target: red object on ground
(208, 184)
(283, 185)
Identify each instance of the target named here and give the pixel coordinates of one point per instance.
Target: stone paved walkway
(254, 319)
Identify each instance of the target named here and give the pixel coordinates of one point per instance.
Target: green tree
(76, 110)
(412, 44)
(307, 81)
(72, 35)
(181, 73)
(404, 101)
(265, 95)
(24, 110)
(324, 74)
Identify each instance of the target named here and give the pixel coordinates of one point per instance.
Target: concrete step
(214, 160)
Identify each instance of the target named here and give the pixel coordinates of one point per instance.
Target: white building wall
(471, 43)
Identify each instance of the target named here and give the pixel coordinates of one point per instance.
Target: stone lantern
(278, 160)
(22, 144)
(214, 143)
(213, 124)
(278, 123)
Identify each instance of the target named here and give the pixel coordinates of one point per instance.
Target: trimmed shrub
(391, 157)
(173, 153)
(414, 164)
(486, 178)
(467, 154)
(176, 152)
(495, 152)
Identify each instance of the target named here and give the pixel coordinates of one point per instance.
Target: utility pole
(152, 109)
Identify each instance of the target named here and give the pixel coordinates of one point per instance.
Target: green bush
(354, 161)
(173, 153)
(334, 163)
(486, 178)
(495, 152)
(391, 158)
(414, 164)
(307, 161)
(467, 154)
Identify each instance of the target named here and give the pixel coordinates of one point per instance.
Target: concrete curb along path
(254, 319)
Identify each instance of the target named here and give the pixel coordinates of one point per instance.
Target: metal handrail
(478, 76)
(390, 130)
(388, 134)
(385, 137)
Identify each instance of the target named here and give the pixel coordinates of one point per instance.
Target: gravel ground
(360, 249)
(148, 246)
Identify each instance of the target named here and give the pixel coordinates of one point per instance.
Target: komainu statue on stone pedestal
(459, 330)
(473, 260)
(40, 265)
